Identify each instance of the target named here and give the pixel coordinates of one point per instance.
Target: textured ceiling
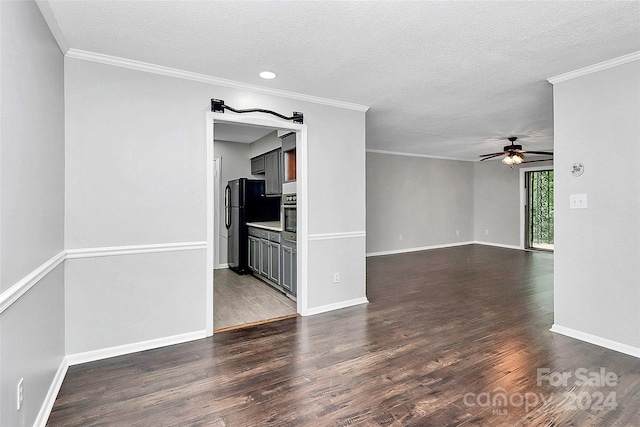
(446, 79)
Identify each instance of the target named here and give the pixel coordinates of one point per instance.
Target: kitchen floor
(239, 300)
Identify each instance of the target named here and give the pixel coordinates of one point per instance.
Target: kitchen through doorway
(242, 296)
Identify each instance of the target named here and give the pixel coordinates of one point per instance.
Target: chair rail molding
(11, 295)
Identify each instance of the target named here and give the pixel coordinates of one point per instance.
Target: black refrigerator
(245, 201)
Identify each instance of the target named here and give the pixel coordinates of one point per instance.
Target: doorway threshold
(259, 322)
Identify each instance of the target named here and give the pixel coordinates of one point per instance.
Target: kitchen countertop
(267, 225)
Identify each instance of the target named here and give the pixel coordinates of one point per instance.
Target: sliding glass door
(539, 211)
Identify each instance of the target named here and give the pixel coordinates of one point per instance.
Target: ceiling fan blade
(541, 160)
(546, 153)
(492, 154)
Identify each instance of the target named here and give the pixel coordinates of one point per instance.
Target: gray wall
(266, 143)
(597, 249)
(427, 200)
(423, 200)
(236, 163)
(136, 174)
(145, 297)
(497, 202)
(31, 207)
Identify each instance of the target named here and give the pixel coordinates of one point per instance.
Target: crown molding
(203, 78)
(52, 23)
(399, 153)
(635, 56)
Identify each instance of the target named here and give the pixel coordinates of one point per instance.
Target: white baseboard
(498, 245)
(105, 353)
(420, 248)
(50, 398)
(222, 266)
(594, 339)
(336, 306)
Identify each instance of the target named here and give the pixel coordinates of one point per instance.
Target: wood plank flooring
(447, 332)
(240, 300)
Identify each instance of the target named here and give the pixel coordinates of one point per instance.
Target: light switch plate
(578, 201)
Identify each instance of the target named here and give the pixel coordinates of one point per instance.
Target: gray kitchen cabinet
(264, 258)
(254, 254)
(270, 165)
(288, 273)
(273, 176)
(274, 262)
(257, 165)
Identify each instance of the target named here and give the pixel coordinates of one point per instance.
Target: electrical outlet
(457, 232)
(577, 201)
(400, 237)
(336, 277)
(486, 232)
(19, 394)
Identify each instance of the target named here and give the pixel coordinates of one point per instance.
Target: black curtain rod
(218, 106)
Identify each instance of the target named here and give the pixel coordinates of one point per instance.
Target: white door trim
(217, 172)
(303, 205)
(523, 196)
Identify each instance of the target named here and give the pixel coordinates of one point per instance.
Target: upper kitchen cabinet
(273, 176)
(269, 164)
(257, 165)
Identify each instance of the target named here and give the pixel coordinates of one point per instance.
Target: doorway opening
(230, 160)
(539, 210)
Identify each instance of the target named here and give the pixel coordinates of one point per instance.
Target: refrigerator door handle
(227, 207)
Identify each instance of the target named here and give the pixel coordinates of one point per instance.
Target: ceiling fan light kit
(513, 159)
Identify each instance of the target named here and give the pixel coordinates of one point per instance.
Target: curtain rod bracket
(218, 106)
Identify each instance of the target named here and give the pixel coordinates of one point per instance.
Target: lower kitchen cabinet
(266, 259)
(274, 262)
(254, 254)
(288, 278)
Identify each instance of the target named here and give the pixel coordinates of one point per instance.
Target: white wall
(597, 123)
(136, 174)
(31, 209)
(424, 200)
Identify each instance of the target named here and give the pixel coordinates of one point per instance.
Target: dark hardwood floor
(447, 334)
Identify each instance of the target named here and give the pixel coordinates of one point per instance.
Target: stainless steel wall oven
(289, 217)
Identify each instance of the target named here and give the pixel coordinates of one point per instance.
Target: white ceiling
(243, 134)
(446, 79)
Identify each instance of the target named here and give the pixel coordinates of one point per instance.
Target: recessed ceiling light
(268, 75)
